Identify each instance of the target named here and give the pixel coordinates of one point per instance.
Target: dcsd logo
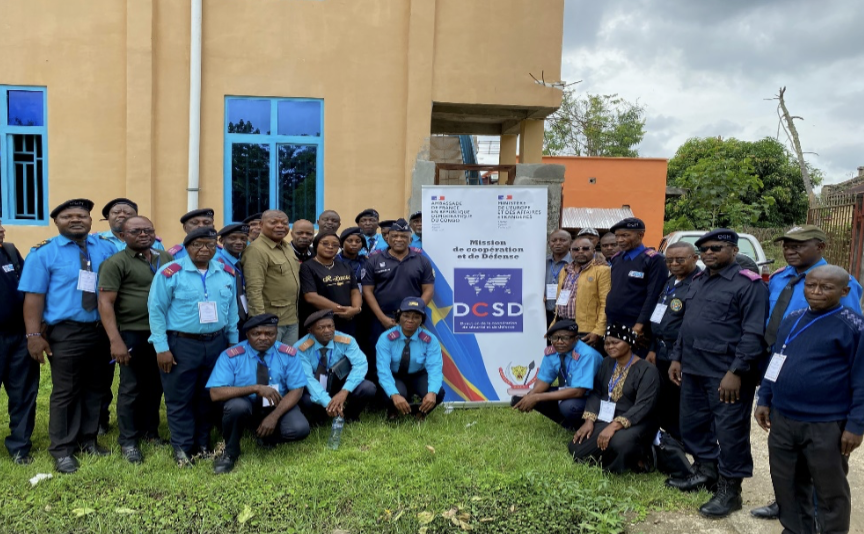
(487, 300)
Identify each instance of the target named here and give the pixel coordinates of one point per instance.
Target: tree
(594, 125)
(787, 121)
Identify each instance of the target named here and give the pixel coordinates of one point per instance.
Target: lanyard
(371, 242)
(204, 283)
(669, 290)
(564, 370)
(554, 272)
(86, 255)
(261, 360)
(613, 384)
(790, 338)
(158, 262)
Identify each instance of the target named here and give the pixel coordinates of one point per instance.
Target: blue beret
(265, 319)
(74, 203)
(400, 225)
(630, 223)
(721, 234)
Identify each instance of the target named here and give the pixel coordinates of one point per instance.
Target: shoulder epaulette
(345, 340)
(40, 245)
(550, 350)
(101, 236)
(159, 239)
(699, 274)
(750, 274)
(575, 355)
(374, 252)
(424, 337)
(650, 252)
(854, 318)
(616, 255)
(228, 269)
(287, 349)
(393, 336)
(307, 344)
(175, 249)
(780, 270)
(171, 269)
(235, 351)
(417, 250)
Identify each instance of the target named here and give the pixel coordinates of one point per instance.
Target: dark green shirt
(129, 274)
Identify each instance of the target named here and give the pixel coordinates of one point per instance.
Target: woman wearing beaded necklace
(327, 284)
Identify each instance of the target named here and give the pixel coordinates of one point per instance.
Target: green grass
(509, 472)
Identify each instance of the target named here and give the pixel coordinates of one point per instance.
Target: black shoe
(183, 459)
(94, 449)
(702, 476)
(132, 454)
(103, 429)
(23, 459)
(66, 465)
(224, 464)
(156, 441)
(770, 511)
(726, 499)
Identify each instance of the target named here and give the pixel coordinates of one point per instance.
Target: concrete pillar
(552, 176)
(507, 154)
(531, 141)
(139, 105)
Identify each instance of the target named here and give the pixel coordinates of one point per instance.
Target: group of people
(686, 349)
(262, 324)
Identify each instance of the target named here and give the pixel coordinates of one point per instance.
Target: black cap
(233, 229)
(253, 217)
(721, 234)
(116, 201)
(354, 230)
(563, 324)
(317, 316)
(412, 304)
(74, 203)
(630, 223)
(415, 215)
(386, 224)
(400, 225)
(624, 333)
(198, 233)
(265, 319)
(203, 212)
(366, 213)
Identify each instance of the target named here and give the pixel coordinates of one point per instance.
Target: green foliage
(594, 125)
(506, 472)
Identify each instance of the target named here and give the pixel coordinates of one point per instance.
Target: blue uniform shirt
(226, 257)
(580, 367)
(174, 296)
(425, 354)
(238, 367)
(417, 241)
(109, 236)
(782, 276)
(178, 251)
(342, 345)
(373, 243)
(52, 269)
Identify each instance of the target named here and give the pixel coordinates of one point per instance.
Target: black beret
(624, 333)
(317, 316)
(74, 203)
(630, 223)
(116, 201)
(386, 224)
(354, 230)
(563, 324)
(720, 234)
(416, 215)
(400, 225)
(198, 233)
(265, 319)
(233, 229)
(203, 212)
(366, 213)
(252, 218)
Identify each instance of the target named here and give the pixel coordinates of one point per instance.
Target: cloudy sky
(702, 68)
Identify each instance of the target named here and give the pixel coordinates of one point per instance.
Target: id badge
(659, 312)
(563, 298)
(266, 402)
(245, 303)
(607, 411)
(207, 312)
(86, 281)
(8, 268)
(551, 291)
(774, 367)
(323, 381)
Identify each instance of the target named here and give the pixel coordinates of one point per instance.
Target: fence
(840, 217)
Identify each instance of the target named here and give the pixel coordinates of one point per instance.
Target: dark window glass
(250, 179)
(296, 187)
(299, 118)
(27, 162)
(249, 116)
(25, 108)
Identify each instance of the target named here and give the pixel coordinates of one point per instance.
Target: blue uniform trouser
(240, 413)
(713, 430)
(413, 384)
(19, 374)
(354, 403)
(567, 413)
(187, 400)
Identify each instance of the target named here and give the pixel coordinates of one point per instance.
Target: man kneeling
(250, 379)
(335, 372)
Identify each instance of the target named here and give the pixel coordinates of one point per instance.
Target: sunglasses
(712, 248)
(140, 231)
(581, 249)
(557, 339)
(670, 261)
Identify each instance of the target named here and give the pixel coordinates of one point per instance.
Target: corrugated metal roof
(599, 218)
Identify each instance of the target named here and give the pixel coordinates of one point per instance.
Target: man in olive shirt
(124, 285)
(273, 275)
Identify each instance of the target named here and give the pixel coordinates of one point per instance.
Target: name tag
(265, 401)
(245, 303)
(86, 281)
(563, 298)
(551, 291)
(323, 381)
(207, 312)
(659, 312)
(774, 367)
(607, 411)
(636, 274)
(8, 268)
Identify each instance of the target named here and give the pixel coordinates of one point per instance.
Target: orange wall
(637, 182)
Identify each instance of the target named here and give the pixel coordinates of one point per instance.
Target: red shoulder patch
(424, 337)
(750, 274)
(393, 336)
(417, 250)
(780, 270)
(575, 355)
(159, 239)
(228, 269)
(287, 349)
(550, 350)
(175, 249)
(650, 252)
(235, 351)
(171, 269)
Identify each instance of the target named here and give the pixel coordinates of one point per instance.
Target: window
(23, 156)
(273, 157)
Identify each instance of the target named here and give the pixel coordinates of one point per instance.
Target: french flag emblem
(505, 197)
(437, 198)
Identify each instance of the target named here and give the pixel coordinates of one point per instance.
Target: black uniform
(722, 331)
(664, 334)
(638, 276)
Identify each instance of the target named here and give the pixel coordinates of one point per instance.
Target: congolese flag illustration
(465, 376)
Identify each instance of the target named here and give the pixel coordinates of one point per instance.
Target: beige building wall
(117, 77)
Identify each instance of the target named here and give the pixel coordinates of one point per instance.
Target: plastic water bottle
(336, 433)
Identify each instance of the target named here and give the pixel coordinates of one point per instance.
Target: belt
(199, 337)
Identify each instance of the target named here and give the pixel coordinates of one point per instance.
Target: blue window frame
(23, 155)
(274, 157)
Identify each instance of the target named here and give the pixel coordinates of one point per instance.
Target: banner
(488, 247)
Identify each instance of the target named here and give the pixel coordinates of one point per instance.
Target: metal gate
(841, 216)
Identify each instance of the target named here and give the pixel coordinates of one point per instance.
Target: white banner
(488, 247)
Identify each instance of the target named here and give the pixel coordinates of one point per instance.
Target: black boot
(726, 499)
(769, 511)
(702, 476)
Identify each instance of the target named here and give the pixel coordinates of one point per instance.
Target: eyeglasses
(557, 339)
(208, 246)
(140, 231)
(670, 261)
(581, 249)
(712, 248)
